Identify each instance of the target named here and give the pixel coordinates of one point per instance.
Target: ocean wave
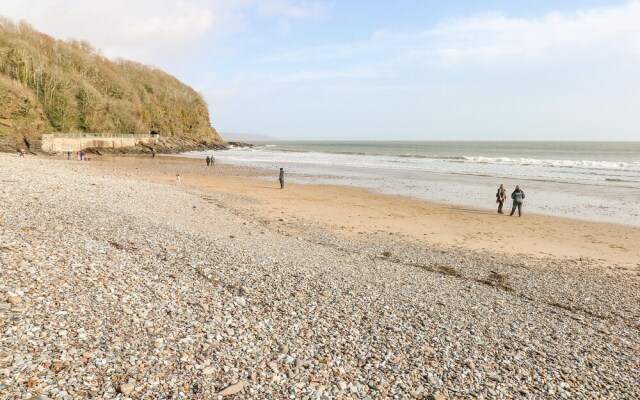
(587, 164)
(422, 156)
(352, 153)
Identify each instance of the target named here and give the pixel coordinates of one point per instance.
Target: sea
(587, 180)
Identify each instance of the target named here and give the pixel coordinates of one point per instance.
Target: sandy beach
(119, 281)
(347, 210)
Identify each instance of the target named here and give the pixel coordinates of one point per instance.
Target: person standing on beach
(281, 178)
(68, 155)
(208, 161)
(501, 197)
(518, 198)
(213, 161)
(153, 153)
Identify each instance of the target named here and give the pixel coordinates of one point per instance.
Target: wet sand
(353, 211)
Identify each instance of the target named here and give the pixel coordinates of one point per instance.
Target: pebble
(231, 390)
(162, 303)
(127, 388)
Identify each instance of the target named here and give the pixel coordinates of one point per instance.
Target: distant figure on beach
(208, 161)
(153, 153)
(518, 198)
(213, 161)
(68, 155)
(501, 197)
(281, 178)
(81, 155)
(178, 178)
(20, 152)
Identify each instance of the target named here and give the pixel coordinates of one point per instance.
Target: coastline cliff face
(49, 85)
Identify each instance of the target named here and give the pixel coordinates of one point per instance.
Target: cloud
(354, 73)
(152, 30)
(299, 9)
(493, 38)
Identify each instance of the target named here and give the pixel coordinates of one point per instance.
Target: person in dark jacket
(518, 197)
(501, 197)
(208, 161)
(281, 178)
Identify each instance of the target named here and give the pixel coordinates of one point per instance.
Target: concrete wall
(75, 142)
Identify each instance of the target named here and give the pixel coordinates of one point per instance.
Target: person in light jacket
(518, 198)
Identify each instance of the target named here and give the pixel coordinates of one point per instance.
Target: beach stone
(231, 390)
(127, 388)
(187, 334)
(14, 300)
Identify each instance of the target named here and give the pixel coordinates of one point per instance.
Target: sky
(379, 69)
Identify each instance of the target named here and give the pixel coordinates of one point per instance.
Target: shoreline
(416, 220)
(577, 193)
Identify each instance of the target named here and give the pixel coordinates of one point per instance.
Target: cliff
(49, 85)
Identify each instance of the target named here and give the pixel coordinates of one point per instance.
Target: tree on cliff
(49, 85)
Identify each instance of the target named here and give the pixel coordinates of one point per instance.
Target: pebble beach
(113, 286)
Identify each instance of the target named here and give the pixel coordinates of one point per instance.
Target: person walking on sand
(68, 155)
(518, 197)
(281, 178)
(501, 197)
(213, 161)
(208, 161)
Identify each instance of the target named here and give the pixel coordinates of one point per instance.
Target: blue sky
(355, 69)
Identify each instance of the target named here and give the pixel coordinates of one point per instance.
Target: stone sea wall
(74, 142)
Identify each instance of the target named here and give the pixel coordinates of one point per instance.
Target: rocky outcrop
(164, 146)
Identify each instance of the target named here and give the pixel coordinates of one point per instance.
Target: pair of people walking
(517, 196)
(211, 161)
